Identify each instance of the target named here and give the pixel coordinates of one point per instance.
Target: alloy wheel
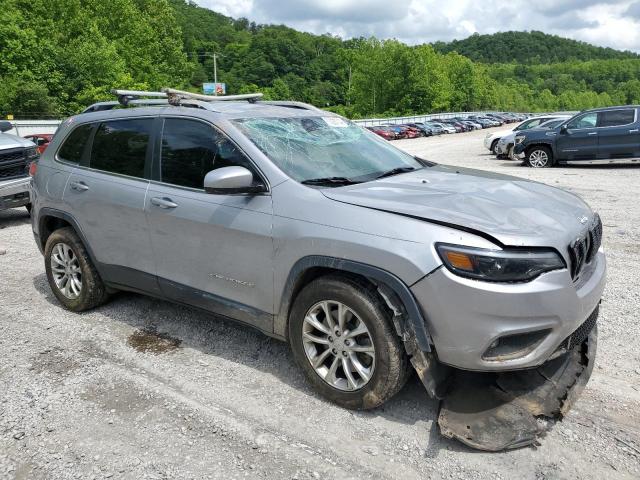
(66, 271)
(538, 159)
(338, 345)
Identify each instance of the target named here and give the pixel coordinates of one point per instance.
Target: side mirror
(5, 126)
(230, 180)
(564, 129)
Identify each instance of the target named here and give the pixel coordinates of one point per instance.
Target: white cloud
(611, 23)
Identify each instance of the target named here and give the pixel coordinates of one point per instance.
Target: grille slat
(13, 163)
(584, 249)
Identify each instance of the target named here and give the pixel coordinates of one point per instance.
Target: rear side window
(615, 118)
(191, 149)
(120, 146)
(73, 146)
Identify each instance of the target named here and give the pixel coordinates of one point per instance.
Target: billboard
(214, 88)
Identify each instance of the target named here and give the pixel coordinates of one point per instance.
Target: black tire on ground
(536, 156)
(93, 292)
(391, 368)
(494, 144)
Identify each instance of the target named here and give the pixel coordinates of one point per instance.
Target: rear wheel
(72, 276)
(539, 157)
(342, 339)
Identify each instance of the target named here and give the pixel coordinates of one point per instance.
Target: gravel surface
(141, 388)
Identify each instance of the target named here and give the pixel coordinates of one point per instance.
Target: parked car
(367, 260)
(504, 149)
(436, 128)
(604, 135)
(386, 134)
(424, 129)
(16, 154)
(41, 140)
(492, 139)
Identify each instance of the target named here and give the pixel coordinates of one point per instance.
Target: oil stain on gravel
(148, 340)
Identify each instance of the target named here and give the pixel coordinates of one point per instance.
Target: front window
(308, 148)
(588, 120)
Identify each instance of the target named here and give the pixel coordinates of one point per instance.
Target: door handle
(591, 134)
(635, 130)
(79, 186)
(163, 202)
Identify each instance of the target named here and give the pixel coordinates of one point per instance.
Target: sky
(609, 23)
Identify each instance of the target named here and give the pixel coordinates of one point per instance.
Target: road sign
(214, 88)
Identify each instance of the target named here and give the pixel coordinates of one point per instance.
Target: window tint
(615, 118)
(588, 120)
(191, 149)
(120, 146)
(73, 146)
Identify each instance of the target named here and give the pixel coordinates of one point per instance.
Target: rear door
(106, 195)
(618, 134)
(580, 139)
(212, 251)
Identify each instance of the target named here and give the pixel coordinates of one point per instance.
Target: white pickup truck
(16, 154)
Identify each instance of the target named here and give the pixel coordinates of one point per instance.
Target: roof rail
(176, 95)
(292, 104)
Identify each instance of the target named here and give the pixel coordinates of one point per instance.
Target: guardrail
(372, 122)
(29, 127)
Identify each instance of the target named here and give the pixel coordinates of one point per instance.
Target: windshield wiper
(337, 181)
(396, 171)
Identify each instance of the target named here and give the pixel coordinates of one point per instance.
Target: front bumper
(15, 193)
(465, 317)
(519, 151)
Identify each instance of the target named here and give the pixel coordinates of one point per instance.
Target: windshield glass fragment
(316, 148)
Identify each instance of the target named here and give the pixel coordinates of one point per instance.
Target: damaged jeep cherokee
(367, 260)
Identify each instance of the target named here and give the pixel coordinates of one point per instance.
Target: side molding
(415, 319)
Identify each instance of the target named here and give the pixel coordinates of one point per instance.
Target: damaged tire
(343, 340)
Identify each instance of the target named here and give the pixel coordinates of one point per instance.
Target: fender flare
(45, 212)
(415, 320)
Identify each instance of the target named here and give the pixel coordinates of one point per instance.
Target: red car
(42, 140)
(385, 133)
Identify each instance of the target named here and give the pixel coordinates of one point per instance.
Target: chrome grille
(584, 249)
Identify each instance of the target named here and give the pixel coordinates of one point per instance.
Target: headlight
(32, 153)
(520, 139)
(498, 265)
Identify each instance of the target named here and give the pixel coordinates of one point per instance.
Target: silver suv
(16, 154)
(315, 231)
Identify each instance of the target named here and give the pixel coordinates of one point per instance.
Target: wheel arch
(50, 220)
(309, 268)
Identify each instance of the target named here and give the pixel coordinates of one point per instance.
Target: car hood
(510, 210)
(12, 141)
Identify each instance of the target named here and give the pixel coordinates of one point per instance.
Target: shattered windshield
(311, 149)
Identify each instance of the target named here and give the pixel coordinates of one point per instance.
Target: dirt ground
(141, 388)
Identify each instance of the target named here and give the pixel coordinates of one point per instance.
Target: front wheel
(342, 338)
(72, 276)
(539, 157)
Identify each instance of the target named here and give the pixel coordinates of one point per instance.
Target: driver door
(580, 139)
(212, 251)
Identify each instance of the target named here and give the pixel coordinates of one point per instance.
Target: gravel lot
(92, 396)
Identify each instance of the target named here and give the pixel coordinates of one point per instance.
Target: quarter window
(588, 120)
(615, 118)
(73, 147)
(120, 146)
(191, 149)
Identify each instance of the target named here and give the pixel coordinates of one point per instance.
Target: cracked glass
(308, 148)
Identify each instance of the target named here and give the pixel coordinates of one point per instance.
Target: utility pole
(215, 71)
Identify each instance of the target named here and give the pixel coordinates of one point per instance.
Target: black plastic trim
(415, 317)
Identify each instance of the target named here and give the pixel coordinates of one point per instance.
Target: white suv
(15, 156)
